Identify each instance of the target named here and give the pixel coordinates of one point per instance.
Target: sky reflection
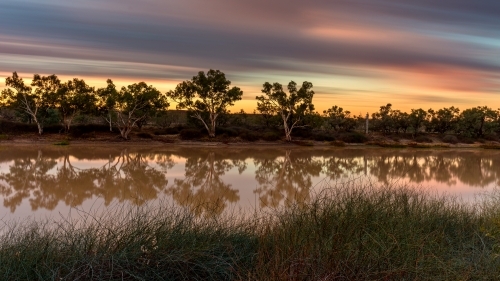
(52, 180)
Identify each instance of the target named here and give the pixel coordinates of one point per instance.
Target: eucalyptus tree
(383, 119)
(135, 103)
(206, 97)
(338, 119)
(291, 107)
(444, 119)
(106, 102)
(31, 102)
(477, 121)
(418, 118)
(72, 98)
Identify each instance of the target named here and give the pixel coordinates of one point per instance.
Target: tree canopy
(206, 94)
(291, 107)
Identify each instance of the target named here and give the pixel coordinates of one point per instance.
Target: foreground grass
(346, 233)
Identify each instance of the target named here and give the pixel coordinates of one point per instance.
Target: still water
(50, 181)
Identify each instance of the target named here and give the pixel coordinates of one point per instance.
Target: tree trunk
(110, 123)
(213, 119)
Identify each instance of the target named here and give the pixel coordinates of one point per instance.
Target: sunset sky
(359, 54)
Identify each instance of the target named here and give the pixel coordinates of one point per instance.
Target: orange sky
(359, 54)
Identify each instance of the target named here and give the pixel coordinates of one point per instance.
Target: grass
(63, 142)
(347, 232)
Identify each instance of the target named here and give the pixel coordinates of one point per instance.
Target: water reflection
(202, 188)
(285, 177)
(46, 177)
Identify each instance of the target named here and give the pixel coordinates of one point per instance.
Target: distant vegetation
(348, 232)
(48, 103)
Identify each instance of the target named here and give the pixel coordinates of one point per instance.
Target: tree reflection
(49, 178)
(202, 189)
(285, 178)
(25, 175)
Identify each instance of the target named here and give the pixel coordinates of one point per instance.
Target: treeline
(207, 97)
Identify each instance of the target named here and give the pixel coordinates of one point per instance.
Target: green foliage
(351, 231)
(270, 136)
(424, 139)
(477, 121)
(291, 107)
(206, 94)
(323, 136)
(443, 120)
(189, 134)
(63, 142)
(417, 119)
(353, 137)
(450, 139)
(135, 103)
(69, 99)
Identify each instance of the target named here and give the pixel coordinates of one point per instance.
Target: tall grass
(347, 232)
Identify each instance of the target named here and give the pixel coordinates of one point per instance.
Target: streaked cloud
(359, 54)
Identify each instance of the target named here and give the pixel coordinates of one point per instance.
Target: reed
(349, 231)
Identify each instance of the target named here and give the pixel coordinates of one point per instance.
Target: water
(51, 181)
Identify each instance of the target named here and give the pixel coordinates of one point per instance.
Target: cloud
(445, 45)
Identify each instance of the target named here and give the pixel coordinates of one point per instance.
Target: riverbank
(348, 232)
(148, 139)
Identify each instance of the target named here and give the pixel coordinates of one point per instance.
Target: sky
(359, 54)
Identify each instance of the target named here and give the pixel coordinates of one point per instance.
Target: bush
(249, 135)
(8, 127)
(145, 135)
(230, 132)
(270, 136)
(353, 137)
(323, 136)
(189, 134)
(450, 139)
(168, 131)
(338, 143)
(466, 139)
(421, 139)
(302, 132)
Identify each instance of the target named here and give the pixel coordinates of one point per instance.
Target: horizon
(359, 55)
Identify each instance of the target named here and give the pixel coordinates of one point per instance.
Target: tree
(417, 119)
(339, 119)
(291, 107)
(107, 101)
(383, 120)
(477, 121)
(31, 103)
(71, 99)
(444, 119)
(134, 103)
(400, 120)
(206, 97)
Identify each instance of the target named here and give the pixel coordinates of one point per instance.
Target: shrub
(145, 135)
(249, 135)
(270, 136)
(168, 131)
(63, 142)
(466, 139)
(189, 134)
(230, 132)
(8, 127)
(302, 132)
(450, 139)
(353, 137)
(421, 139)
(323, 136)
(338, 143)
